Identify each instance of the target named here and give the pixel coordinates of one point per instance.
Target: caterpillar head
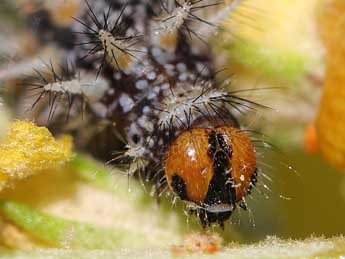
(213, 168)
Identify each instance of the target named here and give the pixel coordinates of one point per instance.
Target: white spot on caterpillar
(111, 91)
(146, 110)
(117, 76)
(151, 95)
(181, 67)
(191, 153)
(151, 76)
(126, 102)
(141, 84)
(165, 86)
(170, 69)
(183, 77)
(145, 123)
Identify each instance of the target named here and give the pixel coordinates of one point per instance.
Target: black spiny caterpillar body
(145, 67)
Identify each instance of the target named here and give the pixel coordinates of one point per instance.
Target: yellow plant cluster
(28, 149)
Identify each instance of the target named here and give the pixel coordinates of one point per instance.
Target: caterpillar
(145, 67)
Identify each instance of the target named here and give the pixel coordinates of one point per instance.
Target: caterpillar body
(145, 65)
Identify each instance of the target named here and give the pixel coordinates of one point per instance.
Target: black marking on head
(179, 186)
(220, 190)
(224, 145)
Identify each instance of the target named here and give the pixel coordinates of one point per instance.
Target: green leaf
(60, 232)
(109, 179)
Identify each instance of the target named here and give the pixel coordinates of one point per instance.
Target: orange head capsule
(213, 168)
